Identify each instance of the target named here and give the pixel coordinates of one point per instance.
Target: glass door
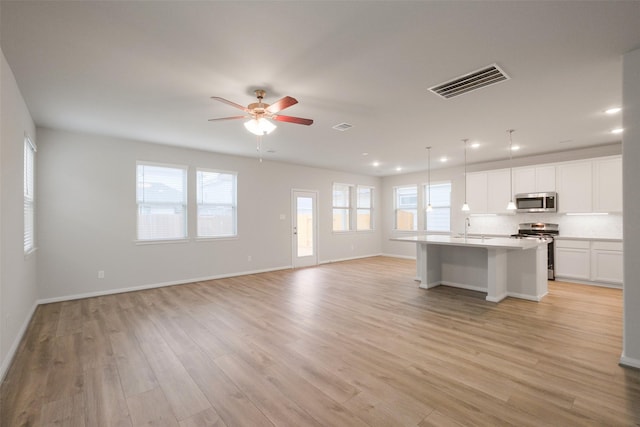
(304, 233)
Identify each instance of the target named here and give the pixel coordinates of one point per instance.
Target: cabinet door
(477, 192)
(574, 187)
(572, 259)
(607, 185)
(524, 180)
(546, 178)
(498, 191)
(606, 262)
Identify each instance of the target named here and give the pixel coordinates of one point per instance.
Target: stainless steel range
(541, 231)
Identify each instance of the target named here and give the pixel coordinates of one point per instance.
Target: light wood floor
(346, 344)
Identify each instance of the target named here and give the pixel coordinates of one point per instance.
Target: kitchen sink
(471, 237)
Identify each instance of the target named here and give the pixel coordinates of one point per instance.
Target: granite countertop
(592, 239)
(474, 241)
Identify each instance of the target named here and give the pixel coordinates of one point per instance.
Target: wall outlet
(249, 258)
(101, 274)
(283, 216)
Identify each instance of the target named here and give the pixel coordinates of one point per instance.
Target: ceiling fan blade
(233, 104)
(296, 120)
(229, 118)
(281, 104)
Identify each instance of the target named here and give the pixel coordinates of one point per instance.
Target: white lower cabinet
(606, 262)
(573, 259)
(590, 261)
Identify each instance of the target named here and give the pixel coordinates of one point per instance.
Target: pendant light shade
(465, 206)
(260, 126)
(511, 206)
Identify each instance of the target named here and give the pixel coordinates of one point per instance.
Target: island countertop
(474, 241)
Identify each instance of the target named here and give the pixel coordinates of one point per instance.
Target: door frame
(294, 221)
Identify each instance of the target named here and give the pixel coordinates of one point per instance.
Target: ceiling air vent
(469, 82)
(342, 127)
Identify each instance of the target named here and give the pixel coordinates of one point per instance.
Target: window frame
(348, 209)
(233, 205)
(370, 209)
(425, 199)
(396, 207)
(184, 205)
(29, 191)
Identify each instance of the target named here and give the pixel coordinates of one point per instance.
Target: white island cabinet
(500, 267)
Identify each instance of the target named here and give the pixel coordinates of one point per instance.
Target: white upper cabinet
(534, 179)
(488, 192)
(477, 192)
(498, 191)
(607, 185)
(574, 182)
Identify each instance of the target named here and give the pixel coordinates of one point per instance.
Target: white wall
(631, 178)
(87, 217)
(18, 289)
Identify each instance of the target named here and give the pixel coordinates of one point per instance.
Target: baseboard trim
(329, 261)
(156, 285)
(400, 256)
(629, 362)
(588, 283)
(6, 363)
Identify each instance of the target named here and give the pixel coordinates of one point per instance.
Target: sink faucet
(467, 224)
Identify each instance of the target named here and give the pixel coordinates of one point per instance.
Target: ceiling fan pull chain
(258, 148)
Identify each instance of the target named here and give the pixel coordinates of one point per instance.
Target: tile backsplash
(595, 226)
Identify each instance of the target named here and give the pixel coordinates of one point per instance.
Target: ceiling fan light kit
(259, 112)
(260, 126)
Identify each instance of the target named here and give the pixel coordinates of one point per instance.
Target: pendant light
(465, 206)
(511, 206)
(429, 207)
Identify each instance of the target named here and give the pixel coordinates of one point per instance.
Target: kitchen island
(499, 266)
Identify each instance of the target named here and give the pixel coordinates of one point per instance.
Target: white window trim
(395, 208)
(186, 205)
(425, 202)
(371, 209)
(349, 208)
(28, 141)
(233, 236)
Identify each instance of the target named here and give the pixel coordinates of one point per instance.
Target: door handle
(295, 230)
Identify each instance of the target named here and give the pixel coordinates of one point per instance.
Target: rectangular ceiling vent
(475, 80)
(342, 127)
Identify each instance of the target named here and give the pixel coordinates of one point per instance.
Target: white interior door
(305, 228)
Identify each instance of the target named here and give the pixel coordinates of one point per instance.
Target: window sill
(160, 242)
(215, 239)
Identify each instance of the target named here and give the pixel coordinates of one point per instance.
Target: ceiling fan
(259, 111)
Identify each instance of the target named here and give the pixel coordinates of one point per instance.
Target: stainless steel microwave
(537, 202)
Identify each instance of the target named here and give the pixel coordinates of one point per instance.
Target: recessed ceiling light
(365, 154)
(398, 169)
(618, 130)
(443, 159)
(475, 145)
(515, 148)
(376, 164)
(613, 110)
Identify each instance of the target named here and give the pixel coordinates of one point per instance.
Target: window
(162, 202)
(364, 205)
(342, 207)
(216, 195)
(29, 200)
(406, 207)
(439, 219)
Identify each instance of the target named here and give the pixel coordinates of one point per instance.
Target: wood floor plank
(151, 408)
(348, 343)
(105, 403)
(136, 376)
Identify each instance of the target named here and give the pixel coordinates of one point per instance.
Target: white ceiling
(147, 70)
